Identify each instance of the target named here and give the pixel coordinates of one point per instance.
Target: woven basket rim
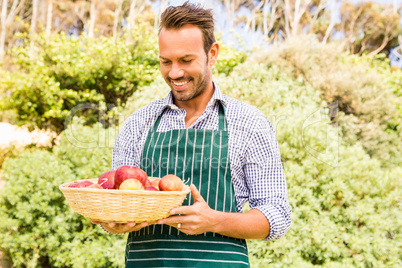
(64, 187)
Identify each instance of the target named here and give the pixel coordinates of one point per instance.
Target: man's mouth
(181, 83)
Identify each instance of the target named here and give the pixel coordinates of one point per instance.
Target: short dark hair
(176, 17)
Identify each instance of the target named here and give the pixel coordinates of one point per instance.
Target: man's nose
(176, 71)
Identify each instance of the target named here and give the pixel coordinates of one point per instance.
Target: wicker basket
(122, 206)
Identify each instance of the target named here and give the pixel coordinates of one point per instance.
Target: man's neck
(195, 107)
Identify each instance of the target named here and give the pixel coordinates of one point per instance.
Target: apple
(144, 174)
(154, 182)
(106, 180)
(85, 184)
(95, 186)
(81, 184)
(131, 184)
(151, 188)
(129, 172)
(171, 183)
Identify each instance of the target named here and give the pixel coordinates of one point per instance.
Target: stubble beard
(199, 89)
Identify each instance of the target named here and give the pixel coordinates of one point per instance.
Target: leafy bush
(87, 150)
(361, 92)
(38, 229)
(345, 205)
(8, 152)
(47, 81)
(155, 91)
(228, 59)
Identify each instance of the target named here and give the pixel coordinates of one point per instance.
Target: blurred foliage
(380, 23)
(228, 58)
(365, 26)
(345, 205)
(87, 150)
(10, 151)
(362, 93)
(49, 78)
(343, 187)
(89, 77)
(38, 228)
(157, 90)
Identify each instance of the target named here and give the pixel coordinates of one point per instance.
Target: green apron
(199, 157)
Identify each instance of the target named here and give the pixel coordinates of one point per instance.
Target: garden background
(325, 73)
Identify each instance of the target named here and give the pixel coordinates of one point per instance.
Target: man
(225, 148)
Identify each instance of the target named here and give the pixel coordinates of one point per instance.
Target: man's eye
(187, 61)
(165, 62)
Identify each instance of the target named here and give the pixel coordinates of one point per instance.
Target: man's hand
(196, 219)
(120, 228)
(199, 218)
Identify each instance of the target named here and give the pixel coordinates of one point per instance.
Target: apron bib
(199, 157)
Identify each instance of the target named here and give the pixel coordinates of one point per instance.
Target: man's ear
(213, 54)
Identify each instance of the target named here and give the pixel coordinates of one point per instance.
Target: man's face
(184, 64)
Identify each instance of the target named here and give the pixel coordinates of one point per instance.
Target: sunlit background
(327, 74)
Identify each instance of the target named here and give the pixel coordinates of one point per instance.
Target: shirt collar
(168, 100)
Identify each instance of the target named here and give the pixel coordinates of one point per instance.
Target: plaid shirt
(255, 161)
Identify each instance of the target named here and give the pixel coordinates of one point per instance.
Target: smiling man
(186, 66)
(226, 148)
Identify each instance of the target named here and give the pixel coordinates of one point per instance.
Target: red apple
(81, 184)
(171, 183)
(106, 180)
(131, 184)
(151, 188)
(154, 182)
(144, 174)
(95, 186)
(128, 172)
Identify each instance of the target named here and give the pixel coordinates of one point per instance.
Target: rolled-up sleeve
(266, 180)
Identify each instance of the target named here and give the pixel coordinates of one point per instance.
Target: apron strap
(222, 119)
(157, 122)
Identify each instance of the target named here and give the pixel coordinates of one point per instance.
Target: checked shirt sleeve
(266, 179)
(129, 143)
(123, 149)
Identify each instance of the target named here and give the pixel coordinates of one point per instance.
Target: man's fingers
(143, 224)
(183, 210)
(196, 194)
(170, 220)
(179, 210)
(174, 220)
(120, 228)
(131, 224)
(188, 209)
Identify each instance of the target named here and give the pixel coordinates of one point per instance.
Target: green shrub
(87, 150)
(228, 59)
(39, 229)
(47, 81)
(361, 91)
(345, 204)
(8, 152)
(155, 91)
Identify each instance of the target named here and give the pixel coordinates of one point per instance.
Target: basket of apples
(125, 195)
